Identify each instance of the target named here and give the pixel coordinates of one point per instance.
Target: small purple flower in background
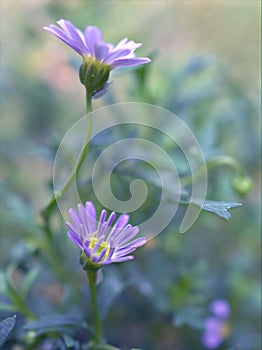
(99, 57)
(101, 242)
(220, 308)
(216, 327)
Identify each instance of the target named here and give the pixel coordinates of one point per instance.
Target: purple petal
(122, 221)
(129, 62)
(71, 227)
(121, 43)
(123, 252)
(101, 51)
(136, 243)
(107, 225)
(124, 258)
(75, 239)
(100, 223)
(110, 254)
(212, 336)
(220, 308)
(62, 36)
(116, 54)
(120, 233)
(125, 236)
(91, 216)
(125, 44)
(99, 257)
(75, 218)
(97, 245)
(93, 36)
(87, 250)
(75, 34)
(84, 220)
(73, 38)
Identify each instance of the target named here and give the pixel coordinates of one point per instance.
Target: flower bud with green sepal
(93, 74)
(242, 185)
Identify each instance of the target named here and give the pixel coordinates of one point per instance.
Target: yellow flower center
(103, 245)
(225, 330)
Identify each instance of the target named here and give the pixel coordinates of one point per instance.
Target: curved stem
(49, 208)
(217, 161)
(97, 323)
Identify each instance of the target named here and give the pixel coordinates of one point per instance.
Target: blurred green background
(206, 69)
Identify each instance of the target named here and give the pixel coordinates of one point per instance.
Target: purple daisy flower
(101, 242)
(216, 327)
(213, 336)
(99, 57)
(91, 43)
(220, 308)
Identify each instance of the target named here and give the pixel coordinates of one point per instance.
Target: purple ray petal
(75, 218)
(124, 258)
(93, 36)
(71, 227)
(121, 43)
(75, 239)
(73, 32)
(115, 55)
(107, 225)
(124, 252)
(91, 216)
(136, 243)
(124, 238)
(84, 219)
(100, 223)
(129, 62)
(101, 51)
(102, 255)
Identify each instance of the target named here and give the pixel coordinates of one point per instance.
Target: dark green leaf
(220, 208)
(191, 316)
(54, 321)
(103, 347)
(28, 281)
(6, 327)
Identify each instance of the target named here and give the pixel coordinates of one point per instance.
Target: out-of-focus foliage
(205, 58)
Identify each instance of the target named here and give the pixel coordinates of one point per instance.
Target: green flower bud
(93, 74)
(242, 185)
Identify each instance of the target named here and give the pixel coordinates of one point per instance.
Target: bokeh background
(206, 69)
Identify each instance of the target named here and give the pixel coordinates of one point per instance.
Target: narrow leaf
(220, 208)
(6, 327)
(54, 321)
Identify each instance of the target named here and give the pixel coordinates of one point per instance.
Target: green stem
(49, 208)
(217, 161)
(97, 323)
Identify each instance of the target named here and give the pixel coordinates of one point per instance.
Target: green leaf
(103, 347)
(220, 208)
(54, 321)
(6, 327)
(2, 283)
(7, 307)
(70, 342)
(191, 316)
(28, 280)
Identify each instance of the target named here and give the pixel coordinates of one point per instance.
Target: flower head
(216, 327)
(104, 241)
(99, 57)
(220, 308)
